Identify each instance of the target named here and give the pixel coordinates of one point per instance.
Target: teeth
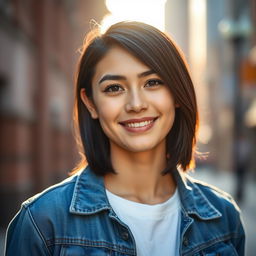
(140, 124)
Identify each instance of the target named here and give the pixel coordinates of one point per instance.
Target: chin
(140, 148)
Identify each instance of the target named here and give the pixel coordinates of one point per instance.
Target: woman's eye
(113, 88)
(154, 82)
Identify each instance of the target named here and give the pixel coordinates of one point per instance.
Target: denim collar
(193, 200)
(90, 197)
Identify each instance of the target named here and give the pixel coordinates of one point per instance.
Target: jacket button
(125, 235)
(185, 241)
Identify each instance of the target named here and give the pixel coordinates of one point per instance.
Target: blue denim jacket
(75, 218)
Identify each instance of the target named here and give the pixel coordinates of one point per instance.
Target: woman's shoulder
(220, 199)
(215, 215)
(58, 195)
(41, 216)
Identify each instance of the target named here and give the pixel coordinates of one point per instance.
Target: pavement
(226, 182)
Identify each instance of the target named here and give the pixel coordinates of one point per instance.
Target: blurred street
(226, 182)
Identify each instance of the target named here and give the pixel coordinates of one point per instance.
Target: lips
(138, 125)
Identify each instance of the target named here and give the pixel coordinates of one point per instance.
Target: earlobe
(89, 104)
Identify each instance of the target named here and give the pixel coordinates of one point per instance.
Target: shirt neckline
(140, 210)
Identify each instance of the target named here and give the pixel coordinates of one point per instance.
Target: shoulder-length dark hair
(157, 51)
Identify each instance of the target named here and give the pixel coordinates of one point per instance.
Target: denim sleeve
(23, 236)
(240, 240)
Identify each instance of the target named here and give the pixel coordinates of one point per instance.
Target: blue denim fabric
(75, 218)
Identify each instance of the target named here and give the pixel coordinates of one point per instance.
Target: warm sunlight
(197, 61)
(148, 11)
(197, 29)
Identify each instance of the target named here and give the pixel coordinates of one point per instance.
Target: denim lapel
(193, 200)
(89, 195)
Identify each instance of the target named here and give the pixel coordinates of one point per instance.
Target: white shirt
(156, 228)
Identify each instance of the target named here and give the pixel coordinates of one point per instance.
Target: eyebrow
(119, 77)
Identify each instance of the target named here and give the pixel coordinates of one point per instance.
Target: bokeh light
(148, 11)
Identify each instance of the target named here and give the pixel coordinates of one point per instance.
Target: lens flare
(148, 11)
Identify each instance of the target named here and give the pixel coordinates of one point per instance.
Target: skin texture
(136, 111)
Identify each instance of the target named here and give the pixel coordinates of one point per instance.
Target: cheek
(108, 110)
(165, 102)
(170, 107)
(167, 107)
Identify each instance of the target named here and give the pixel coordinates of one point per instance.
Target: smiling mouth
(138, 124)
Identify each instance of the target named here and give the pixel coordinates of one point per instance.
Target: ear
(89, 104)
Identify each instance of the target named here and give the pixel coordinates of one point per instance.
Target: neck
(139, 176)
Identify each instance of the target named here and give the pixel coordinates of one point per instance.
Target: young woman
(137, 115)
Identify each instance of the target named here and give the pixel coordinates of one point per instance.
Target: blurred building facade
(231, 38)
(39, 53)
(226, 81)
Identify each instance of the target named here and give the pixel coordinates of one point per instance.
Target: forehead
(119, 61)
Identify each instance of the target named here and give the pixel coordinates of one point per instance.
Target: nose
(136, 102)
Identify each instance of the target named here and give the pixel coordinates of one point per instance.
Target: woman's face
(134, 106)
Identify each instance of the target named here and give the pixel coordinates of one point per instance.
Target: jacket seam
(74, 198)
(32, 200)
(38, 230)
(74, 205)
(211, 243)
(217, 213)
(210, 187)
(212, 211)
(85, 242)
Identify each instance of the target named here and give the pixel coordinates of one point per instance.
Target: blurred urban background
(39, 51)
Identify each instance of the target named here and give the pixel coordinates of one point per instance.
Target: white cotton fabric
(156, 228)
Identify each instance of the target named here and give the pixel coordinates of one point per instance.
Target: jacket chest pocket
(77, 250)
(220, 249)
(80, 250)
